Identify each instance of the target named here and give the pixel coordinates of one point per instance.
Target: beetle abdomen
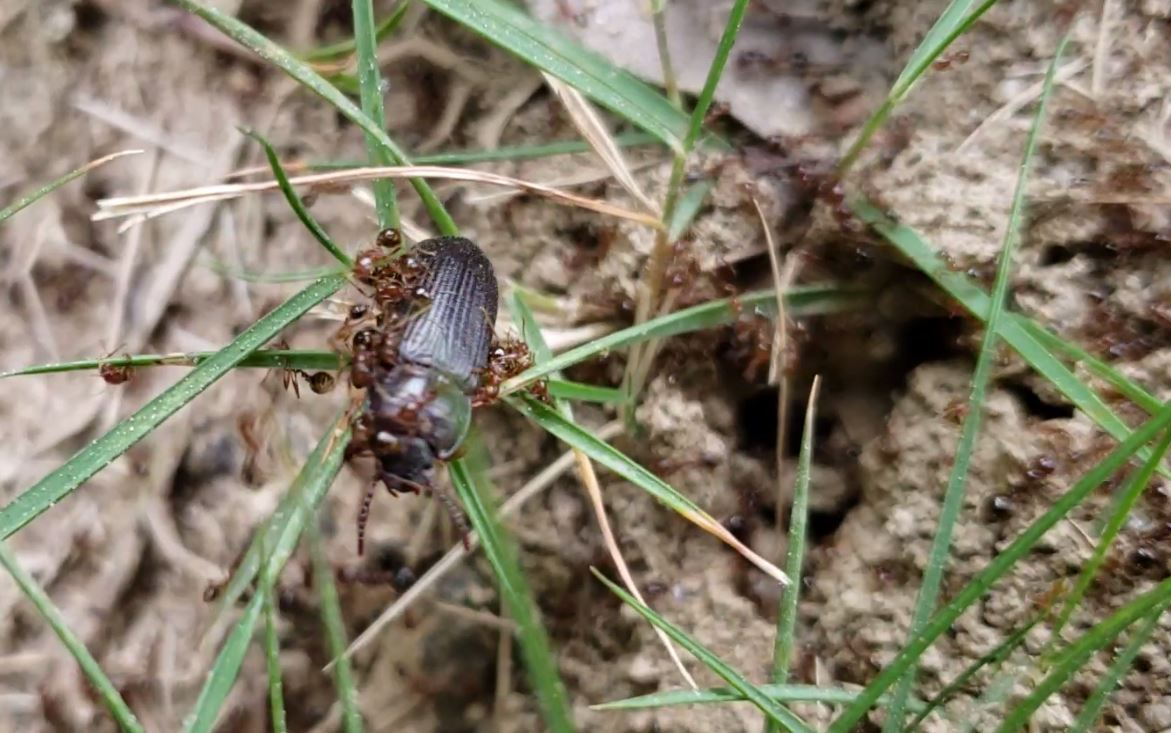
(453, 331)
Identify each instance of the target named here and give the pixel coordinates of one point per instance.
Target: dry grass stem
(589, 123)
(153, 205)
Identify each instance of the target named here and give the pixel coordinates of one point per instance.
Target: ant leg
(364, 515)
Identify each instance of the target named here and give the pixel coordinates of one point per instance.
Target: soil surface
(128, 558)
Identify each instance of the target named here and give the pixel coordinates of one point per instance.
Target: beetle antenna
(363, 515)
(457, 516)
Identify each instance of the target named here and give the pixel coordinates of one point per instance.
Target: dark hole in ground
(757, 420)
(926, 340)
(820, 524)
(1056, 255)
(823, 525)
(1035, 405)
(89, 16)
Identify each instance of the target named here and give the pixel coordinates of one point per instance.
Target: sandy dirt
(129, 556)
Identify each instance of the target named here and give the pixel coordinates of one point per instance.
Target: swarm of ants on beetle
(423, 354)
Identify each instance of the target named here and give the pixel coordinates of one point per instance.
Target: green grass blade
(295, 202)
(773, 710)
(557, 424)
(348, 46)
(370, 88)
(994, 657)
(98, 454)
(564, 389)
(284, 525)
(306, 492)
(516, 596)
(530, 331)
(345, 83)
(952, 23)
(509, 27)
(687, 209)
(1013, 331)
(714, 72)
(35, 196)
(780, 693)
(310, 79)
(953, 500)
(335, 633)
(306, 360)
(239, 273)
(89, 666)
(1116, 379)
(801, 301)
(1074, 658)
(272, 650)
(1093, 706)
(1000, 565)
(224, 670)
(575, 436)
(1127, 498)
(787, 611)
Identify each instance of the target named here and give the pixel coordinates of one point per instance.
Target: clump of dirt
(129, 557)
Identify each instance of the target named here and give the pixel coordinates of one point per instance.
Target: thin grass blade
(310, 79)
(303, 359)
(1092, 708)
(995, 657)
(780, 693)
(564, 389)
(577, 438)
(516, 596)
(952, 23)
(798, 517)
(1013, 330)
(687, 209)
(98, 454)
(224, 670)
(509, 27)
(250, 276)
(1128, 496)
(344, 48)
(998, 567)
(305, 494)
(35, 196)
(715, 72)
(1074, 658)
(335, 633)
(588, 476)
(802, 301)
(284, 525)
(295, 202)
(773, 710)
(957, 482)
(272, 650)
(106, 690)
(1116, 379)
(370, 88)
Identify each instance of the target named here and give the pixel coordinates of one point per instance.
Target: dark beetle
(422, 365)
